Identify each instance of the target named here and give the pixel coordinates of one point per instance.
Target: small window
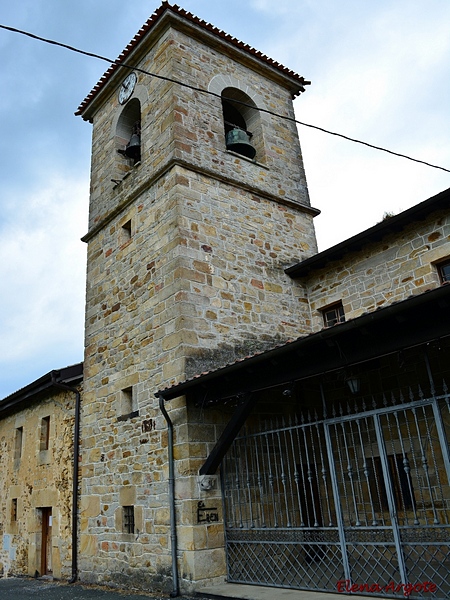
(444, 271)
(18, 443)
(13, 510)
(45, 434)
(400, 481)
(128, 519)
(125, 233)
(128, 404)
(333, 314)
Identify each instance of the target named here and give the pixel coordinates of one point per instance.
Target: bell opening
(133, 148)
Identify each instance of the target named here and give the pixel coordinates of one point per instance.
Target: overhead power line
(203, 91)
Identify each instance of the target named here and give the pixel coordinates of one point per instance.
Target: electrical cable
(203, 91)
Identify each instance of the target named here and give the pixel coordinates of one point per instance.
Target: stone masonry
(398, 266)
(33, 479)
(186, 251)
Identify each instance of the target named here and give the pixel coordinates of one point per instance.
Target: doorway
(357, 499)
(46, 545)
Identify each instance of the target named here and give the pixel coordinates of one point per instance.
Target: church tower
(198, 202)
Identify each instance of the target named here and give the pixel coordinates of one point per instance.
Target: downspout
(173, 524)
(76, 450)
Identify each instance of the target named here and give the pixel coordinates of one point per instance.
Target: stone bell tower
(198, 202)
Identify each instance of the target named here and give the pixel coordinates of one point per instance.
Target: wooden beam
(228, 435)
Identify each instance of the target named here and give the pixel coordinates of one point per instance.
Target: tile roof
(151, 22)
(439, 295)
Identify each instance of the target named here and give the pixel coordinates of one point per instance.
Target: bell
(238, 141)
(133, 149)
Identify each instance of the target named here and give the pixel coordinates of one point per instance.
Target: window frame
(18, 443)
(443, 268)
(14, 510)
(44, 441)
(128, 519)
(338, 309)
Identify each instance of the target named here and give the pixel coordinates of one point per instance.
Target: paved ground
(14, 588)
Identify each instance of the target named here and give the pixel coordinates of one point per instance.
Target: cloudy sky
(380, 73)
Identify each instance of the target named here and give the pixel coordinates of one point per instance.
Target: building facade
(251, 410)
(37, 426)
(187, 241)
(334, 462)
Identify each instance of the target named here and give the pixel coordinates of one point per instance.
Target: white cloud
(42, 269)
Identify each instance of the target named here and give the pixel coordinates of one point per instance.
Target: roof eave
(166, 16)
(440, 296)
(70, 376)
(390, 225)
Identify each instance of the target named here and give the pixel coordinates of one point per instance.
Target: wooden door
(46, 548)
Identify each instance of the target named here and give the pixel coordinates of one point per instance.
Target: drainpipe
(173, 524)
(76, 450)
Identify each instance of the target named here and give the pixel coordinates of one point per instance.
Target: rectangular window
(128, 519)
(333, 314)
(14, 510)
(128, 405)
(45, 434)
(444, 271)
(400, 482)
(18, 443)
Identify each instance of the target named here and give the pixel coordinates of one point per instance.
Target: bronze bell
(238, 141)
(133, 149)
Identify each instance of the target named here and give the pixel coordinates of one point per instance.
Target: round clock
(127, 87)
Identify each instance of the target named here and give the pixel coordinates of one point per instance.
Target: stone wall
(185, 272)
(391, 270)
(34, 479)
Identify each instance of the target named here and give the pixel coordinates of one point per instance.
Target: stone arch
(240, 110)
(128, 132)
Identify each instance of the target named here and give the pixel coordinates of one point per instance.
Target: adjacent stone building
(37, 428)
(251, 410)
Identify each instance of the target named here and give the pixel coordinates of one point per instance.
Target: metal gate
(351, 503)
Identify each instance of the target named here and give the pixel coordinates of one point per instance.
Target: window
(128, 519)
(128, 405)
(13, 510)
(18, 443)
(125, 233)
(444, 271)
(333, 314)
(45, 434)
(400, 482)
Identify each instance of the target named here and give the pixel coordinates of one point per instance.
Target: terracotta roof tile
(150, 23)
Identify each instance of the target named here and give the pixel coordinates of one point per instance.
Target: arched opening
(241, 123)
(128, 132)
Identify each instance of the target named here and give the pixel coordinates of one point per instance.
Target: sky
(380, 73)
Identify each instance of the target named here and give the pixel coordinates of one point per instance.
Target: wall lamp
(354, 384)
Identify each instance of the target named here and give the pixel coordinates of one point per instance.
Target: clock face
(127, 87)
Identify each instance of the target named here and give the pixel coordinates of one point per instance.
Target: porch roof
(419, 319)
